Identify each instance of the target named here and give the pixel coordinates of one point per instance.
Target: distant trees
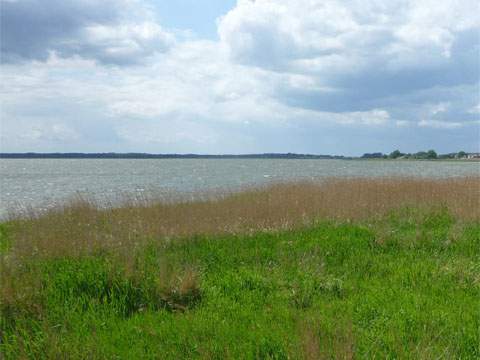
(431, 154)
(377, 155)
(421, 155)
(447, 156)
(395, 154)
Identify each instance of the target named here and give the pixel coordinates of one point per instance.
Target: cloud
(440, 124)
(194, 98)
(321, 36)
(110, 31)
(398, 55)
(364, 49)
(306, 76)
(125, 43)
(474, 109)
(53, 133)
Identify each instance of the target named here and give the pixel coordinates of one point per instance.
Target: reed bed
(389, 270)
(82, 226)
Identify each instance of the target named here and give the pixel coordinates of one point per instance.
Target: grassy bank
(345, 269)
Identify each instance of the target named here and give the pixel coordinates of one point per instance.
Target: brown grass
(82, 226)
(318, 343)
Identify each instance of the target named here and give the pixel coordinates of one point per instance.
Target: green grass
(406, 286)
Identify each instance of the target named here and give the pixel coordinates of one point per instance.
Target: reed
(82, 226)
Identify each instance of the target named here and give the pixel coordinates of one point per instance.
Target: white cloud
(435, 23)
(439, 108)
(125, 43)
(474, 109)
(335, 38)
(436, 124)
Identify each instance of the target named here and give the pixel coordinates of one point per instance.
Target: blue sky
(198, 16)
(310, 76)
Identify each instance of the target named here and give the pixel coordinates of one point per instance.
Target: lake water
(42, 183)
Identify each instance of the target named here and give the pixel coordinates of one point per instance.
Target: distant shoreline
(166, 156)
(271, 156)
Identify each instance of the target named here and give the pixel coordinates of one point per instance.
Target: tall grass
(346, 268)
(81, 226)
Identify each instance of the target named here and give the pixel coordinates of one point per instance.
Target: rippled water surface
(41, 183)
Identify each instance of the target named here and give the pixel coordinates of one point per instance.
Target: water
(42, 183)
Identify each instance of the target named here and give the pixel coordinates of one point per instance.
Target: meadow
(342, 269)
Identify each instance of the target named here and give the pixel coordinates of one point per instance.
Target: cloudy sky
(219, 76)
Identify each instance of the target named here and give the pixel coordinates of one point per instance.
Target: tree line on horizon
(31, 155)
(430, 154)
(396, 154)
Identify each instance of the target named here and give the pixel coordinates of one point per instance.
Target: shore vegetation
(342, 269)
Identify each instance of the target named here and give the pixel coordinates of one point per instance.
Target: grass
(351, 269)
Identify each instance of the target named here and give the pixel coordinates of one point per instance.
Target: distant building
(473, 156)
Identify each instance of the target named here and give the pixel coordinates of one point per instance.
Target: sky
(248, 76)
